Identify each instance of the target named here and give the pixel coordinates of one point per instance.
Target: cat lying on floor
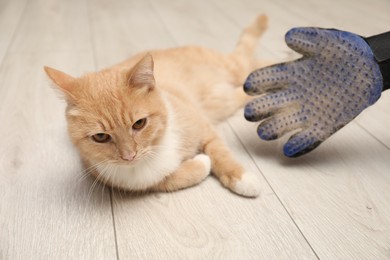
(147, 123)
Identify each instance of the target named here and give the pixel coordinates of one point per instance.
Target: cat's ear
(142, 73)
(65, 82)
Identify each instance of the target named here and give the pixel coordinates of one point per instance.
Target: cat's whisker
(84, 176)
(118, 191)
(148, 160)
(111, 170)
(101, 173)
(92, 167)
(85, 173)
(151, 156)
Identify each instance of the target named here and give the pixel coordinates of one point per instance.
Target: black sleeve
(380, 45)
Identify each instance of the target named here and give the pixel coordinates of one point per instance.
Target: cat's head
(116, 117)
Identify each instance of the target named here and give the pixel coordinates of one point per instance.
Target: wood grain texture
(376, 119)
(331, 204)
(10, 14)
(120, 29)
(53, 26)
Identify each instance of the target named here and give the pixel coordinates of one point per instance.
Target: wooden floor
(331, 204)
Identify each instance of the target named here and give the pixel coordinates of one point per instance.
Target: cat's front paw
(205, 160)
(248, 186)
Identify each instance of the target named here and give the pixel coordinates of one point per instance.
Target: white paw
(248, 186)
(205, 160)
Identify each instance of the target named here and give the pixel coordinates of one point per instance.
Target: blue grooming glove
(335, 80)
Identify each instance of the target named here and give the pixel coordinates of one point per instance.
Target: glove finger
(266, 79)
(279, 124)
(268, 104)
(306, 40)
(301, 143)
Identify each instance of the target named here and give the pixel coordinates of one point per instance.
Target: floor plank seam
(92, 38)
(166, 28)
(373, 136)
(235, 22)
(278, 198)
(95, 61)
(13, 34)
(113, 223)
(293, 12)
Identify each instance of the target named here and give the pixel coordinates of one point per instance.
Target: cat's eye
(139, 124)
(101, 138)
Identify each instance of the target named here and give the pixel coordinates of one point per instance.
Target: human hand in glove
(339, 75)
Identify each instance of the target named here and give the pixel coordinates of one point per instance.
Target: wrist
(380, 46)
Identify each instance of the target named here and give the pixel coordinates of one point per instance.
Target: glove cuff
(380, 46)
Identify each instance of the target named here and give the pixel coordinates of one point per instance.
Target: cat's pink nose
(128, 156)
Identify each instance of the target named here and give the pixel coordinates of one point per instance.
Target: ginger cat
(147, 123)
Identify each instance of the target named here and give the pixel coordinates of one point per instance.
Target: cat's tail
(246, 45)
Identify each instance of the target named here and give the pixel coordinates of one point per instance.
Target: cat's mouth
(134, 159)
(129, 162)
(128, 157)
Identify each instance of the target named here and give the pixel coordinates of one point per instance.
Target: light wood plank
(122, 28)
(198, 23)
(50, 26)
(10, 13)
(376, 119)
(271, 46)
(360, 17)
